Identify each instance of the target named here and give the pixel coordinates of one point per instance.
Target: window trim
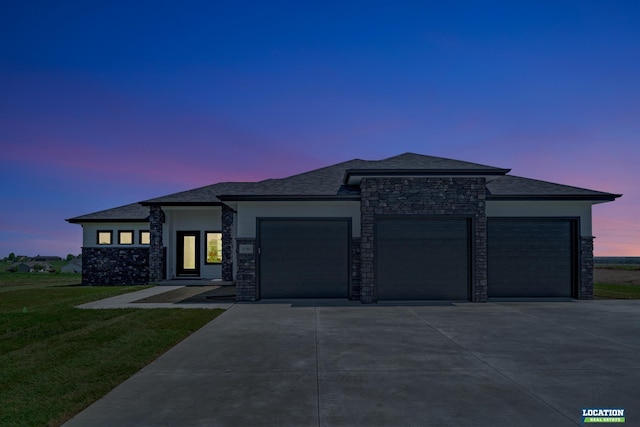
(206, 235)
(121, 232)
(140, 237)
(110, 232)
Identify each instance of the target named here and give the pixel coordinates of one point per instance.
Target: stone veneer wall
(246, 283)
(423, 196)
(355, 268)
(109, 266)
(586, 268)
(227, 243)
(156, 264)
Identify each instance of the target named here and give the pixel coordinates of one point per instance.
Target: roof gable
(411, 164)
(421, 161)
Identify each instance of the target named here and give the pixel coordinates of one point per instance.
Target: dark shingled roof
(515, 187)
(420, 161)
(134, 212)
(328, 182)
(325, 181)
(206, 195)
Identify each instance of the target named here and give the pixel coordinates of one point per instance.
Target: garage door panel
(530, 257)
(421, 258)
(304, 258)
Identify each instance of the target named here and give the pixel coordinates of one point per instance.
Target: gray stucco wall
(423, 196)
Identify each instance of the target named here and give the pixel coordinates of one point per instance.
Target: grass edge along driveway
(56, 359)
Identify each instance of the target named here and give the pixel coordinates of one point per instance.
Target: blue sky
(108, 103)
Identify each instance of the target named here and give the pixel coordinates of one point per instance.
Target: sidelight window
(213, 247)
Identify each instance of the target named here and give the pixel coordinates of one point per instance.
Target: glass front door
(188, 253)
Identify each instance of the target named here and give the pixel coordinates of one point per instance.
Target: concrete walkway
(304, 363)
(128, 300)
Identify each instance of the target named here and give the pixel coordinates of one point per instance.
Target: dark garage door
(530, 257)
(304, 258)
(422, 258)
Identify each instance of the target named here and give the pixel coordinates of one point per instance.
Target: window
(125, 237)
(104, 237)
(145, 237)
(214, 247)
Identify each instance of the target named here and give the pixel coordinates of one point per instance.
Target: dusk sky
(105, 103)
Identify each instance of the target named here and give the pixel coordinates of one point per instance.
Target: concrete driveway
(341, 364)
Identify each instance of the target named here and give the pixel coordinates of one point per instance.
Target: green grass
(628, 267)
(617, 291)
(56, 360)
(15, 281)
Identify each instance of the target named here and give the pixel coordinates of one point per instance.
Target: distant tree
(12, 256)
(69, 257)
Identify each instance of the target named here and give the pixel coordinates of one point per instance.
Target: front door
(188, 253)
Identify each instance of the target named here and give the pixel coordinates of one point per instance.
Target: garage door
(304, 258)
(422, 258)
(530, 257)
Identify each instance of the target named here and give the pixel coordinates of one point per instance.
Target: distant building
(73, 266)
(19, 267)
(46, 258)
(31, 267)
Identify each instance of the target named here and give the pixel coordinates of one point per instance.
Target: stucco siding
(579, 209)
(90, 233)
(191, 218)
(249, 211)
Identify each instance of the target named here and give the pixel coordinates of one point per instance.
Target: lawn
(626, 267)
(616, 291)
(15, 281)
(617, 281)
(57, 359)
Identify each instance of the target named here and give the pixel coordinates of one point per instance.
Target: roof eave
(585, 197)
(149, 203)
(94, 220)
(361, 173)
(282, 197)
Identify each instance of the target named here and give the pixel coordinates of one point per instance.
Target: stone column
(246, 284)
(156, 248)
(355, 269)
(227, 243)
(586, 267)
(368, 204)
(479, 284)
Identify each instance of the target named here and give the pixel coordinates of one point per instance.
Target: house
(46, 258)
(410, 227)
(73, 266)
(19, 267)
(31, 267)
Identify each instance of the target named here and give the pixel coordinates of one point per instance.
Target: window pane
(145, 237)
(125, 237)
(214, 248)
(104, 237)
(189, 258)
